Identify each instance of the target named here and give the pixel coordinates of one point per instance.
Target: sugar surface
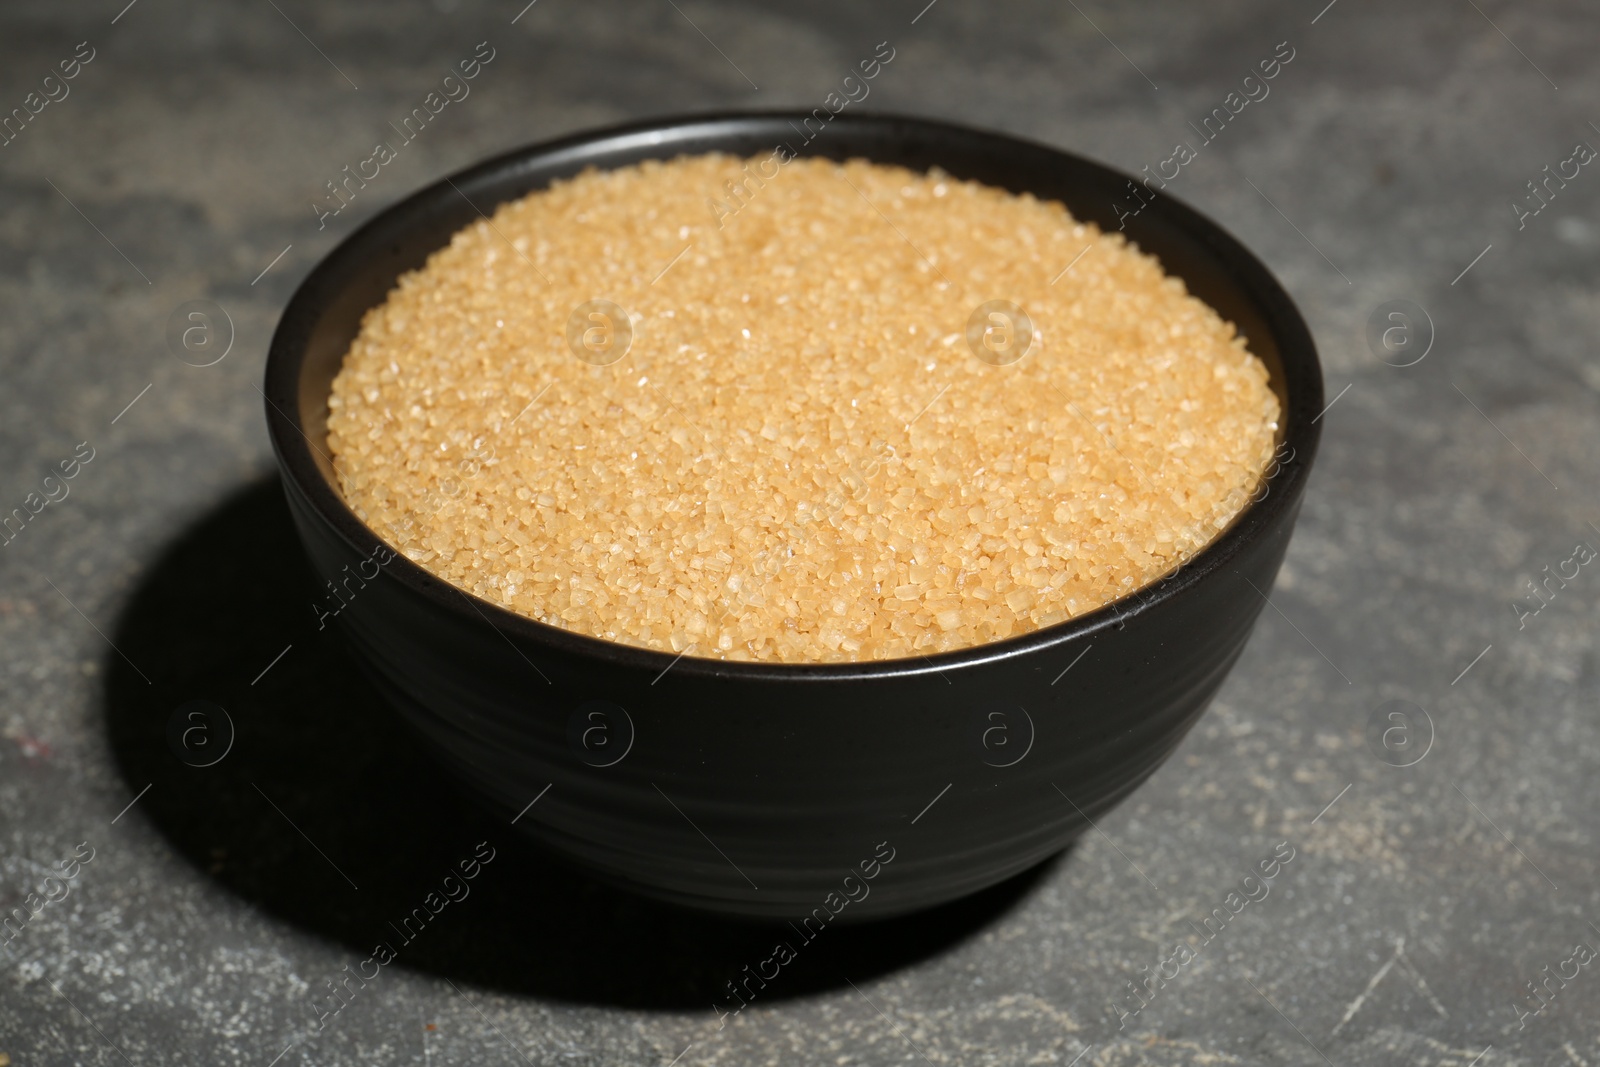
(800, 458)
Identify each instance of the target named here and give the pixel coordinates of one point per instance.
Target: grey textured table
(200, 925)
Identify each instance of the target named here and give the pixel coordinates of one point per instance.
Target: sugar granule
(799, 458)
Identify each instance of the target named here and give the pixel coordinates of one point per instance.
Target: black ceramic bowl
(856, 790)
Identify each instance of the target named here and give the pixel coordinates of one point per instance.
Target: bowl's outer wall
(756, 789)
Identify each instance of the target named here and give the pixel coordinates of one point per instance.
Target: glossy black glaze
(755, 789)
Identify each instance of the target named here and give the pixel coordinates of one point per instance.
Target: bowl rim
(285, 366)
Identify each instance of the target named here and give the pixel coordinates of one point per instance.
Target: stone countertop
(182, 162)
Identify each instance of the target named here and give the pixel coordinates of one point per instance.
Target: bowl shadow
(316, 805)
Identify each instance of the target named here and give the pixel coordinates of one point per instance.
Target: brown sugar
(772, 434)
